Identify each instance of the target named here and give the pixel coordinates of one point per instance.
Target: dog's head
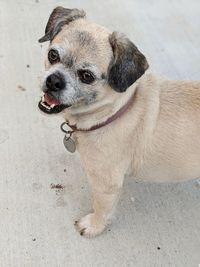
(85, 62)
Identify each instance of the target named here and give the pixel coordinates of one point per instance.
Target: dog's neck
(102, 111)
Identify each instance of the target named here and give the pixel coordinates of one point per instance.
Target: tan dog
(124, 119)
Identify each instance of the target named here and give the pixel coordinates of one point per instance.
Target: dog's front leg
(105, 195)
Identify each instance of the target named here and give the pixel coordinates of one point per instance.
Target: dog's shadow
(153, 211)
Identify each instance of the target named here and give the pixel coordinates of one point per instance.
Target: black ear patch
(128, 63)
(58, 18)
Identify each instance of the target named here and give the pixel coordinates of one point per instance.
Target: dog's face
(85, 62)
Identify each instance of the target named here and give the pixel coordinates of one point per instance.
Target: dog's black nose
(55, 82)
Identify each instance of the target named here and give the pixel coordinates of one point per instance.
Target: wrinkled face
(76, 67)
(85, 63)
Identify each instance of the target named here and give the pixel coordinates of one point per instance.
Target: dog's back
(174, 153)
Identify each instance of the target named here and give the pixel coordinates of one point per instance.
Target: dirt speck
(59, 189)
(21, 88)
(28, 66)
(57, 186)
(158, 248)
(34, 239)
(65, 170)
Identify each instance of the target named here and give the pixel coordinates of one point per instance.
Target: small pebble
(132, 199)
(21, 88)
(198, 183)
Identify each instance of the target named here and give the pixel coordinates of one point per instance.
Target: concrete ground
(155, 224)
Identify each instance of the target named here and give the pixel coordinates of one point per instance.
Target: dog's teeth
(52, 106)
(43, 99)
(47, 107)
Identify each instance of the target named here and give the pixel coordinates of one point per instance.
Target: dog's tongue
(51, 100)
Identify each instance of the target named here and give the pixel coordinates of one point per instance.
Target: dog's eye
(86, 76)
(53, 56)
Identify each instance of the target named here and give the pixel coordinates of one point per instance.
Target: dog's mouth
(50, 105)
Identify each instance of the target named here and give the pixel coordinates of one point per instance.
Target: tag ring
(65, 131)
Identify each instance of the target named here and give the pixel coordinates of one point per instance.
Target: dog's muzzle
(55, 82)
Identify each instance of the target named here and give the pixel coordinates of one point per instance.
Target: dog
(124, 119)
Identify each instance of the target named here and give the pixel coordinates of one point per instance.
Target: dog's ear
(128, 63)
(58, 18)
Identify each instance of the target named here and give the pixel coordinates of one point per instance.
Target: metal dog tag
(69, 144)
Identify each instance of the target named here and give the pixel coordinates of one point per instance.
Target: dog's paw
(90, 225)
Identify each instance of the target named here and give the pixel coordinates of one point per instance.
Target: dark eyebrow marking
(87, 65)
